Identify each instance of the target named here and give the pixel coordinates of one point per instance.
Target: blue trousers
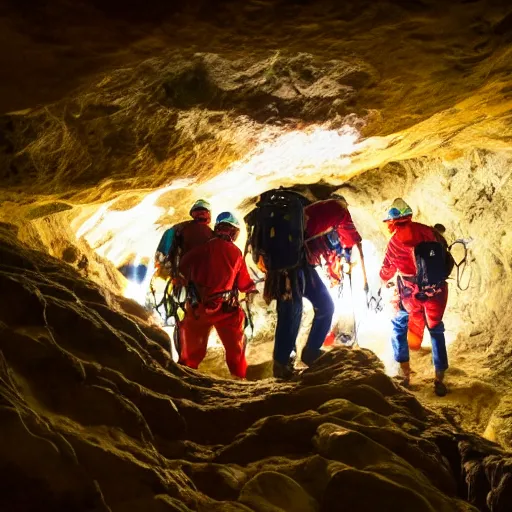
(401, 348)
(289, 315)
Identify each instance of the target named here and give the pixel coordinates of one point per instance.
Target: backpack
(166, 241)
(434, 264)
(181, 237)
(276, 230)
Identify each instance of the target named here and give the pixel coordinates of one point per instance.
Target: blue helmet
(398, 210)
(227, 218)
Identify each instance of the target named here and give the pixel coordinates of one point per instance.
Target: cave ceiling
(133, 94)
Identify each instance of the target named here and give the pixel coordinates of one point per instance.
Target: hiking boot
(440, 388)
(283, 371)
(308, 357)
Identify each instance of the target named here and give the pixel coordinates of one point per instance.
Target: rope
(462, 265)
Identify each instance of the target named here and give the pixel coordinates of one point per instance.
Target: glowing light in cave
(114, 234)
(279, 159)
(293, 156)
(289, 158)
(373, 329)
(135, 290)
(285, 158)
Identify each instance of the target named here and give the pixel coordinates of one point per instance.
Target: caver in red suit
(413, 311)
(324, 216)
(181, 238)
(218, 271)
(400, 258)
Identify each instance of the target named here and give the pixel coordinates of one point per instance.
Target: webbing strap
(462, 265)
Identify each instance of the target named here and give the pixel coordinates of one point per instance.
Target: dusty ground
(97, 417)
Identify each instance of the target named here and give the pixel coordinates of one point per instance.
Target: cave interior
(115, 117)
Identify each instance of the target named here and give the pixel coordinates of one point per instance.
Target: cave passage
(128, 238)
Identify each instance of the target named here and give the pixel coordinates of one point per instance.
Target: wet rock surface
(95, 416)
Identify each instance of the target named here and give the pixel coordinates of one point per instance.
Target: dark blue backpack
(276, 230)
(432, 264)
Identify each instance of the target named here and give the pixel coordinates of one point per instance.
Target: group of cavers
(209, 284)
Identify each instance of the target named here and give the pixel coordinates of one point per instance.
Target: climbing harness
(462, 265)
(171, 304)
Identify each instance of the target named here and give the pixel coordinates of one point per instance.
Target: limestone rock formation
(96, 416)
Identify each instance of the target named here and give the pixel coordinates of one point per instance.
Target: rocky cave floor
(116, 115)
(95, 416)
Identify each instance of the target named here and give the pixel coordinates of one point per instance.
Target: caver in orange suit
(400, 258)
(215, 268)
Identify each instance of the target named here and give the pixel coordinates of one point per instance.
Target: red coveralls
(214, 267)
(321, 218)
(400, 258)
(193, 233)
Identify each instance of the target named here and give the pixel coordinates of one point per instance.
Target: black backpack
(276, 230)
(434, 264)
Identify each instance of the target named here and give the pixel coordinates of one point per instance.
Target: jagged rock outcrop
(95, 416)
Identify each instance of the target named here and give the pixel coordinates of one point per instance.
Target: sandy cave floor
(472, 398)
